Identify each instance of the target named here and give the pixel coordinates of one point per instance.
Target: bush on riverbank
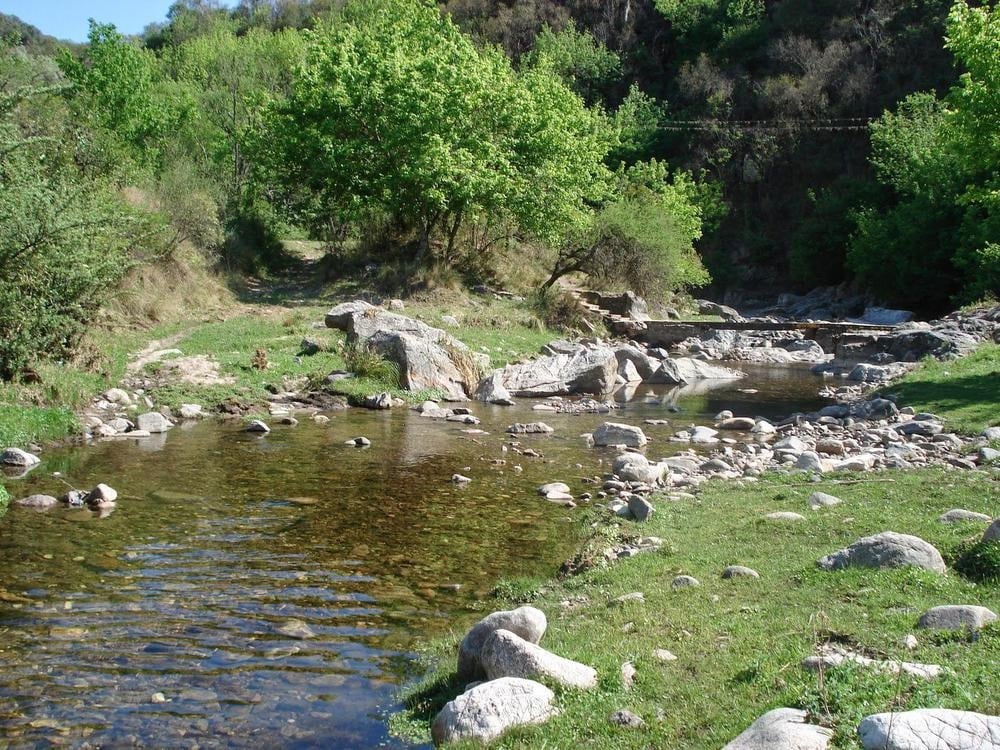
(739, 643)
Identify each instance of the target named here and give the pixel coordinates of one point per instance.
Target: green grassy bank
(739, 643)
(965, 392)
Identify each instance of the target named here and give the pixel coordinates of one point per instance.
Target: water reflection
(268, 590)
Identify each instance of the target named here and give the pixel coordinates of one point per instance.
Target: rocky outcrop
(489, 709)
(782, 729)
(587, 370)
(491, 390)
(19, 458)
(930, 729)
(506, 654)
(683, 370)
(424, 364)
(528, 623)
(886, 550)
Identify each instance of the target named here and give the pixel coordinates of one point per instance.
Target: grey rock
(644, 365)
(256, 425)
(930, 729)
(118, 396)
(18, 457)
(397, 305)
(640, 508)
(553, 487)
(102, 496)
(684, 582)
(191, 411)
(737, 423)
(589, 370)
(991, 433)
(819, 500)
(378, 401)
(884, 316)
(310, 347)
(153, 422)
(920, 427)
(811, 461)
(359, 442)
(424, 363)
(784, 515)
(956, 515)
(634, 467)
(295, 628)
(739, 571)
(684, 370)
(531, 428)
(663, 655)
(527, 622)
(957, 617)
(460, 479)
(993, 532)
(615, 433)
(489, 709)
(506, 654)
(866, 373)
(491, 390)
(628, 674)
(831, 656)
(37, 501)
(886, 550)
(341, 315)
(782, 729)
(625, 718)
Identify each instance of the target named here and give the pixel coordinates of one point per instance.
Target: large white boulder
(616, 433)
(505, 654)
(527, 622)
(930, 729)
(489, 709)
(586, 370)
(886, 550)
(782, 729)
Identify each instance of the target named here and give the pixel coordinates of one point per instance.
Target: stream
(255, 591)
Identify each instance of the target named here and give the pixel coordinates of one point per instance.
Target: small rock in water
(153, 422)
(190, 411)
(359, 442)
(257, 425)
(158, 698)
(460, 479)
(74, 498)
(18, 457)
(296, 629)
(37, 501)
(102, 496)
(531, 428)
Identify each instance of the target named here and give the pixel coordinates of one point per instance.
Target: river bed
(270, 590)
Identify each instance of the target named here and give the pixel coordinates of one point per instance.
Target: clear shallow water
(224, 545)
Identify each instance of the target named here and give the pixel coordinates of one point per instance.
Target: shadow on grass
(426, 701)
(971, 402)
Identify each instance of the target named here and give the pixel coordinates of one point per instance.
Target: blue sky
(67, 19)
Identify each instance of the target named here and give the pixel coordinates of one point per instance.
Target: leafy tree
(940, 238)
(643, 239)
(584, 64)
(117, 85)
(395, 111)
(62, 233)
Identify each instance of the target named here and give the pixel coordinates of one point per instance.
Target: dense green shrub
(980, 562)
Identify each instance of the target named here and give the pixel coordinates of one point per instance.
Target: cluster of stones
(505, 668)
(430, 358)
(119, 414)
